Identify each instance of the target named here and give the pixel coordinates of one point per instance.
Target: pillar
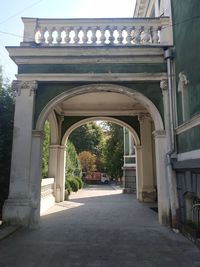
(60, 177)
(53, 167)
(146, 188)
(171, 175)
(35, 177)
(139, 173)
(18, 207)
(162, 185)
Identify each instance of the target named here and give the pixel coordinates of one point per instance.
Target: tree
(7, 102)
(45, 149)
(73, 165)
(87, 138)
(114, 150)
(88, 161)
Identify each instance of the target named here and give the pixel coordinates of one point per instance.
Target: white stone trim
(88, 60)
(134, 112)
(23, 52)
(195, 154)
(94, 77)
(82, 122)
(189, 124)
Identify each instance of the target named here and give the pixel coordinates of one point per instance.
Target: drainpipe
(168, 56)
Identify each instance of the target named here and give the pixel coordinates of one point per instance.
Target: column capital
(164, 84)
(18, 86)
(144, 116)
(37, 133)
(159, 134)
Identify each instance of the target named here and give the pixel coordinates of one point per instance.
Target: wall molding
(194, 154)
(194, 121)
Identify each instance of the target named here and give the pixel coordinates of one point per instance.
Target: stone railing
(47, 197)
(97, 32)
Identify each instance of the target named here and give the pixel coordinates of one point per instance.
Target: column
(35, 177)
(162, 185)
(147, 192)
(53, 166)
(171, 175)
(60, 177)
(139, 173)
(17, 208)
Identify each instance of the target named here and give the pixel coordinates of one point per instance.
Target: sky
(11, 26)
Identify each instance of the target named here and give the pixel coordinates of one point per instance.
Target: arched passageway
(73, 108)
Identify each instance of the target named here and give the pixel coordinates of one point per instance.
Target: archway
(146, 114)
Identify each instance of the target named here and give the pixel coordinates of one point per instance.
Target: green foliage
(80, 182)
(113, 151)
(7, 102)
(45, 155)
(68, 186)
(73, 184)
(87, 138)
(73, 165)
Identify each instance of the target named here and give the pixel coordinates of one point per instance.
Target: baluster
(137, 35)
(111, 37)
(38, 36)
(155, 36)
(85, 37)
(50, 37)
(67, 37)
(42, 38)
(59, 38)
(146, 35)
(76, 37)
(129, 35)
(120, 37)
(94, 38)
(102, 37)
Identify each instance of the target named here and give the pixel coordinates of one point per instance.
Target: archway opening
(116, 104)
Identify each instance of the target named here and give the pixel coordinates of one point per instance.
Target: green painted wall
(189, 140)
(47, 91)
(186, 27)
(92, 68)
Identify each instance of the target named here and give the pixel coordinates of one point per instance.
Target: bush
(68, 186)
(74, 184)
(80, 182)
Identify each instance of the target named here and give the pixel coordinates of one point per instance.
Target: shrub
(68, 186)
(80, 182)
(74, 184)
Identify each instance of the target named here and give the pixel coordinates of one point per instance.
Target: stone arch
(151, 108)
(110, 119)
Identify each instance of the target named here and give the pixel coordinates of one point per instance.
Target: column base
(148, 194)
(20, 212)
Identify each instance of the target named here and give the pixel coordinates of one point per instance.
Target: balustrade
(97, 32)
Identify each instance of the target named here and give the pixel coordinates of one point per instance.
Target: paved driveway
(98, 227)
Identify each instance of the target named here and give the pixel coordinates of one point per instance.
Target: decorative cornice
(92, 77)
(19, 85)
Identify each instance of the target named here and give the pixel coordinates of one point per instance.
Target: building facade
(141, 73)
(184, 63)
